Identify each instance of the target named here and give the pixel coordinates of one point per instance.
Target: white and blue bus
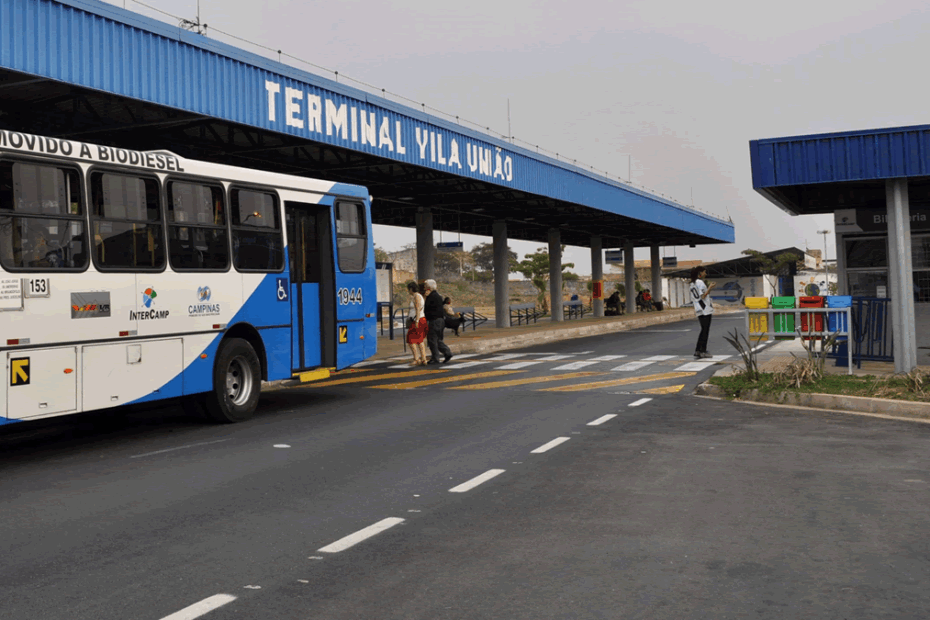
(130, 276)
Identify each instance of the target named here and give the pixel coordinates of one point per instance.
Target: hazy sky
(680, 87)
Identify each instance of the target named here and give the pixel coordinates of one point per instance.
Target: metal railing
(872, 338)
(810, 332)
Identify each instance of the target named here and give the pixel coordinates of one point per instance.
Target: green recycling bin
(784, 323)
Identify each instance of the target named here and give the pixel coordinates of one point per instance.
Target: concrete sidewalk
(490, 339)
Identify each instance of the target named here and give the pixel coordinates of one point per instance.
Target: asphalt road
(676, 507)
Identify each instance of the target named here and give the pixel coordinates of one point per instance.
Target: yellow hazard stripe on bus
(413, 384)
(525, 381)
(580, 387)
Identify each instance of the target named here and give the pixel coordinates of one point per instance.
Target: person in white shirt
(703, 307)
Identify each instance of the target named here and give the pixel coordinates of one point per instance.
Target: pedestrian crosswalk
(543, 372)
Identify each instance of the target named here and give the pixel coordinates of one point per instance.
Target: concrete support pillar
(656, 273)
(597, 273)
(555, 275)
(501, 275)
(841, 284)
(629, 271)
(903, 327)
(426, 258)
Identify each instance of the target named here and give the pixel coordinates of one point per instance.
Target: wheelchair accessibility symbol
(282, 289)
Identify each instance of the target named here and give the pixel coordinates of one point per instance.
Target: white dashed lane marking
(607, 358)
(550, 445)
(471, 484)
(602, 419)
(659, 358)
(353, 539)
(554, 358)
(641, 401)
(192, 445)
(203, 607)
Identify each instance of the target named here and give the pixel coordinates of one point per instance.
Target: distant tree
(381, 256)
(772, 268)
(568, 276)
(535, 268)
(446, 265)
(483, 257)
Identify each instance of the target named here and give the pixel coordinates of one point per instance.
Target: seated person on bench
(612, 306)
(647, 300)
(454, 320)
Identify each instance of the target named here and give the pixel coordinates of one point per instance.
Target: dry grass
(801, 375)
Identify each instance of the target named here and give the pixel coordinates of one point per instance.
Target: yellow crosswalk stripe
(393, 375)
(579, 387)
(668, 389)
(477, 375)
(526, 381)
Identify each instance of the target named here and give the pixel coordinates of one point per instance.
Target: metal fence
(871, 336)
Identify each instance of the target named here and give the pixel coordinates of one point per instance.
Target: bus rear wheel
(237, 382)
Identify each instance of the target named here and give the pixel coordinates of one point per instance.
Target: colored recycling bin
(758, 323)
(784, 323)
(811, 322)
(836, 321)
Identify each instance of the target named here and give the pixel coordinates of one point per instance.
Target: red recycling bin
(817, 319)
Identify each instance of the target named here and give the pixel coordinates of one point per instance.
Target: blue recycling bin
(835, 320)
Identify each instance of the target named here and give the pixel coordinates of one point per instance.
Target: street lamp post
(826, 277)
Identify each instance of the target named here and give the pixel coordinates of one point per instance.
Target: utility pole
(826, 277)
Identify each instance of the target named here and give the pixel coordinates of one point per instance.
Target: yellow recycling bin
(758, 323)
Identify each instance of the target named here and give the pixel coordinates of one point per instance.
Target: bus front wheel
(237, 382)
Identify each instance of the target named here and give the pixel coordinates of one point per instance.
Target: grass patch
(909, 387)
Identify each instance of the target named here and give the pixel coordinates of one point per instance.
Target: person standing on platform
(703, 307)
(435, 317)
(416, 325)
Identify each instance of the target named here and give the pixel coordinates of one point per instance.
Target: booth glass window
(868, 283)
(866, 253)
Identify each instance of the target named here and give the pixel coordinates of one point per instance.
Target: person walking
(416, 325)
(435, 317)
(703, 307)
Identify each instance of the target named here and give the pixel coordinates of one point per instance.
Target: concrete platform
(489, 339)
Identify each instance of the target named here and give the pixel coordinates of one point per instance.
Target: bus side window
(41, 218)
(258, 242)
(351, 237)
(197, 236)
(126, 222)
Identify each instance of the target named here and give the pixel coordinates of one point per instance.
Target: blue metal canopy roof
(107, 56)
(823, 172)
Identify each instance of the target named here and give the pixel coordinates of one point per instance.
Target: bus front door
(313, 294)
